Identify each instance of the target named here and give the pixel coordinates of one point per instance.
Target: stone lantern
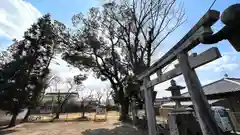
(176, 94)
(181, 121)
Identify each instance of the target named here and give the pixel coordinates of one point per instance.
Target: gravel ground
(111, 127)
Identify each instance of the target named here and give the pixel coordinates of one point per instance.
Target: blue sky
(17, 15)
(63, 10)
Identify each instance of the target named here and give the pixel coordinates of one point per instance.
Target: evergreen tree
(22, 79)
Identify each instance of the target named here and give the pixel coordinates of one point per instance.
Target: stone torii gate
(200, 33)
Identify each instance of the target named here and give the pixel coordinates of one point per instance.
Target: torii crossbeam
(200, 33)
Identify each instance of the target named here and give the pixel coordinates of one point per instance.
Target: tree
(22, 78)
(54, 31)
(99, 96)
(86, 99)
(38, 95)
(61, 100)
(118, 41)
(63, 95)
(108, 92)
(72, 86)
(103, 97)
(5, 57)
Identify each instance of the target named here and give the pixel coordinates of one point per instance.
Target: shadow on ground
(121, 130)
(60, 120)
(117, 123)
(5, 132)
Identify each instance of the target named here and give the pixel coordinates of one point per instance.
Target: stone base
(183, 123)
(180, 110)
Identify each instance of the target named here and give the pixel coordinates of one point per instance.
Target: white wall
(4, 117)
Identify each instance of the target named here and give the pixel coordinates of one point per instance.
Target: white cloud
(15, 17)
(65, 71)
(95, 84)
(62, 68)
(228, 62)
(226, 67)
(18, 15)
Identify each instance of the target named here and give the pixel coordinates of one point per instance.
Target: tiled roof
(235, 79)
(225, 85)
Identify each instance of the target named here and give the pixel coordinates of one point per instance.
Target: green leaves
(23, 79)
(117, 41)
(78, 79)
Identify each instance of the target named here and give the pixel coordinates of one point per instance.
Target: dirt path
(73, 128)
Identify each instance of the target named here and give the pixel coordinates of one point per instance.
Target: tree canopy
(118, 40)
(23, 75)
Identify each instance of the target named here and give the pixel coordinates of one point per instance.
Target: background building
(224, 92)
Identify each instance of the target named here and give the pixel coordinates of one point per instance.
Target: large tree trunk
(27, 115)
(83, 113)
(134, 111)
(59, 111)
(57, 115)
(124, 109)
(13, 120)
(83, 110)
(124, 103)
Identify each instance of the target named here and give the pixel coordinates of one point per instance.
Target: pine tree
(22, 79)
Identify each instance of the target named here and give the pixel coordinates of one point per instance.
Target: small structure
(175, 90)
(224, 92)
(180, 120)
(100, 111)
